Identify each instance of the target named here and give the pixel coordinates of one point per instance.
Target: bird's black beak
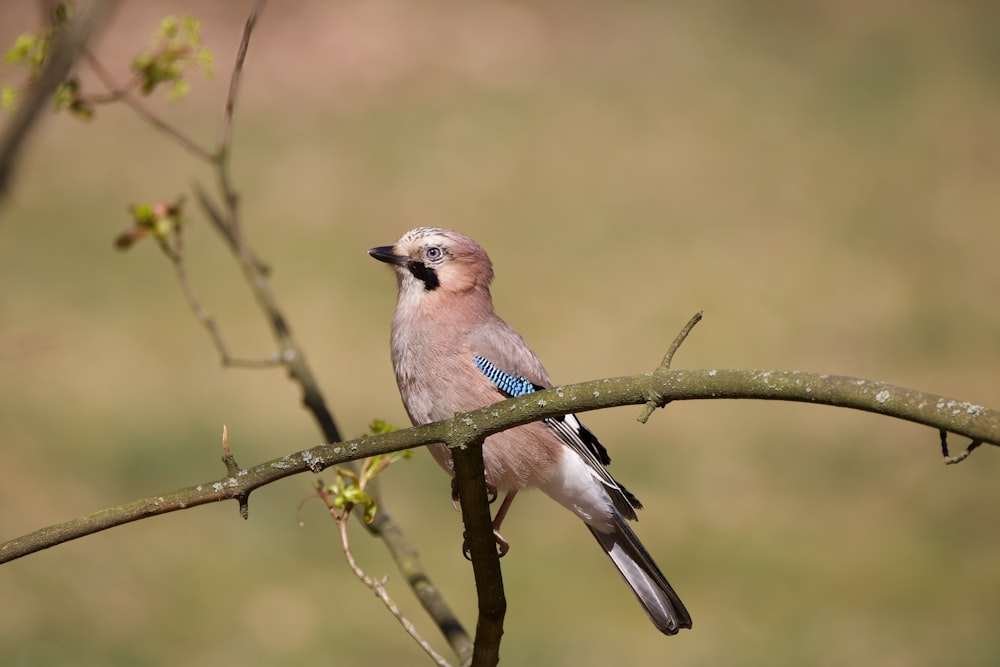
(385, 254)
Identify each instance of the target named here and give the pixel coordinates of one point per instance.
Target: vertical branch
(234, 81)
(473, 496)
(226, 135)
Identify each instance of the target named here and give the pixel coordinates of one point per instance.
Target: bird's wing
(496, 341)
(581, 440)
(496, 354)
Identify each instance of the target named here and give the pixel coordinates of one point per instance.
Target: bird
(452, 353)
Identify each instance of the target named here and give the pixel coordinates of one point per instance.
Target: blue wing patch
(510, 385)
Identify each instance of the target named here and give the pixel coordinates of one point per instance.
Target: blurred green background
(820, 177)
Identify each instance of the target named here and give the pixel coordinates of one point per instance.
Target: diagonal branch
(175, 253)
(226, 219)
(67, 48)
(658, 401)
(126, 95)
(341, 516)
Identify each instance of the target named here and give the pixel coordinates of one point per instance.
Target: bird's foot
(503, 546)
(491, 493)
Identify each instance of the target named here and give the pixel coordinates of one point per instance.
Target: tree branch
(225, 140)
(938, 412)
(126, 94)
(473, 496)
(668, 358)
(225, 218)
(67, 48)
(173, 248)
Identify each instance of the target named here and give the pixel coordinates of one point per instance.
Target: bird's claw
(491, 493)
(503, 546)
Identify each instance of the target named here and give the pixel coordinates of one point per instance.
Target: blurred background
(820, 177)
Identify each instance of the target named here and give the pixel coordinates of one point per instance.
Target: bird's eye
(434, 253)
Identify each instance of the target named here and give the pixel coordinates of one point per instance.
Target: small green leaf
(159, 220)
(31, 50)
(176, 45)
(62, 13)
(82, 110)
(192, 27)
(142, 215)
(8, 96)
(162, 228)
(168, 28)
(370, 511)
(27, 50)
(177, 91)
(205, 61)
(66, 94)
(378, 426)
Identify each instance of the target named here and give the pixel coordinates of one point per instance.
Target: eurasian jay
(452, 353)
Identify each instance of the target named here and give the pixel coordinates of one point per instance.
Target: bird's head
(431, 259)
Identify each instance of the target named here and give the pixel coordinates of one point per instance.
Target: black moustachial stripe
(424, 274)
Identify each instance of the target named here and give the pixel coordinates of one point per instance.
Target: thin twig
(222, 155)
(226, 221)
(233, 469)
(951, 460)
(668, 358)
(126, 94)
(114, 91)
(218, 221)
(657, 401)
(225, 140)
(341, 517)
(228, 459)
(407, 559)
(175, 253)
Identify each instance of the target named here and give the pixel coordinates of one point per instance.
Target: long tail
(652, 589)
